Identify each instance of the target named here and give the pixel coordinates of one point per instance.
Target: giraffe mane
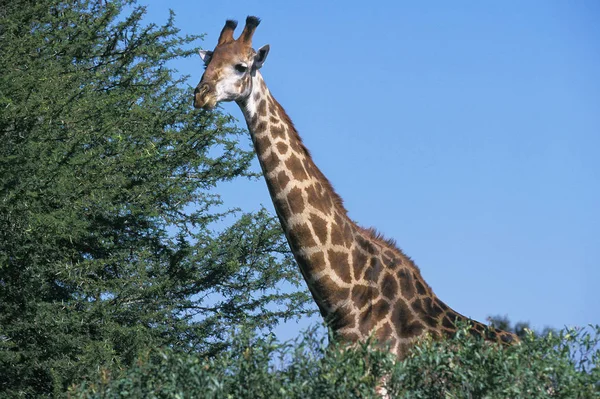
(380, 238)
(391, 244)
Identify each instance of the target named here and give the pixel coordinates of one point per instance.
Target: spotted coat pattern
(362, 283)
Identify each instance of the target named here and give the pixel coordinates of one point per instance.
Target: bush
(562, 365)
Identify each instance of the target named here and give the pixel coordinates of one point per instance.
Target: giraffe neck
(362, 283)
(314, 220)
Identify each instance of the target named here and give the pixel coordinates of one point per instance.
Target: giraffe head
(230, 66)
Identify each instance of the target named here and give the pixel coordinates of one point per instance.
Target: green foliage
(564, 365)
(108, 244)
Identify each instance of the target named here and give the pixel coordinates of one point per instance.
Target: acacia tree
(108, 202)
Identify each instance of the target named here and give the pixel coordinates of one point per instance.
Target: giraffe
(362, 283)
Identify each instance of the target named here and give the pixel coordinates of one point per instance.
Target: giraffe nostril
(201, 89)
(204, 88)
(204, 96)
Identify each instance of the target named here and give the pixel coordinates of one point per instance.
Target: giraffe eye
(241, 68)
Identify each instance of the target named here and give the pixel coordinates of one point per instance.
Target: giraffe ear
(205, 55)
(261, 56)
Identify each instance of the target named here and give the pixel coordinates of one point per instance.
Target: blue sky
(468, 131)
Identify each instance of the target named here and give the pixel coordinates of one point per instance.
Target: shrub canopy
(108, 204)
(561, 365)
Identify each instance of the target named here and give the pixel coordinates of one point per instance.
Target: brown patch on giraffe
(420, 288)
(339, 219)
(306, 165)
(296, 146)
(315, 200)
(417, 307)
(373, 269)
(436, 309)
(406, 325)
(278, 131)
(296, 200)
(319, 227)
(263, 86)
(283, 179)
(331, 293)
(407, 288)
(366, 245)
(447, 323)
(430, 321)
(338, 261)
(262, 143)
(431, 307)
(348, 236)
(271, 161)
(319, 188)
(416, 304)
(340, 319)
(337, 237)
(282, 208)
(261, 127)
(256, 96)
(361, 295)
(390, 261)
(359, 262)
(300, 236)
(381, 309)
(401, 315)
(423, 315)
(372, 315)
(282, 147)
(328, 203)
(273, 107)
(441, 304)
(295, 166)
(274, 120)
(389, 287)
(262, 108)
(317, 262)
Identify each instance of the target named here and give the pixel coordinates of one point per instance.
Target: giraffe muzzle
(204, 97)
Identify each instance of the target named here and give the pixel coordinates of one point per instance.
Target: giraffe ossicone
(362, 283)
